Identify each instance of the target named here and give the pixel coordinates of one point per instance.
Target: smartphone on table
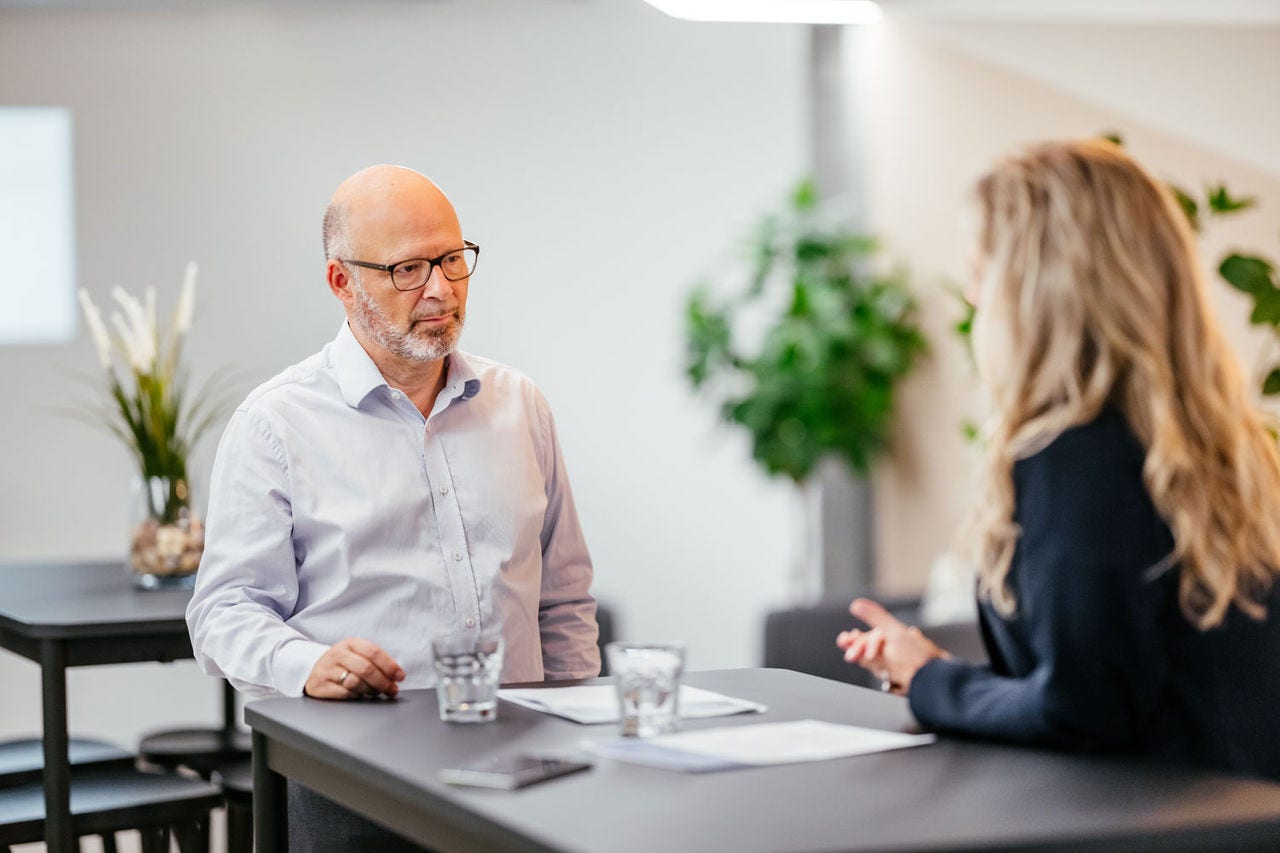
(509, 772)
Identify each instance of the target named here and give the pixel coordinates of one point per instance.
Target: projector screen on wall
(37, 226)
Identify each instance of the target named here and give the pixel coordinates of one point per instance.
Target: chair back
(803, 639)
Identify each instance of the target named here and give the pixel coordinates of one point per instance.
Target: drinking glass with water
(468, 666)
(648, 681)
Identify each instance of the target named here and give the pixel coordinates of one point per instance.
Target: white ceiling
(1240, 12)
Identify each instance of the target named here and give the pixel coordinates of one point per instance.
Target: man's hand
(892, 651)
(354, 667)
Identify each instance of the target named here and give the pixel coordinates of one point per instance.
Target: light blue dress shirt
(336, 509)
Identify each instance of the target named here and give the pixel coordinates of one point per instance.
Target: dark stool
(108, 798)
(201, 750)
(236, 780)
(22, 763)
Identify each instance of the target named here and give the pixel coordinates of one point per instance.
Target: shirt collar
(462, 383)
(358, 376)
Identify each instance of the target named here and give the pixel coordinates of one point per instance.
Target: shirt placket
(453, 534)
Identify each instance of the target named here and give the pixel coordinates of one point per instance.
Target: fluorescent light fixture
(773, 11)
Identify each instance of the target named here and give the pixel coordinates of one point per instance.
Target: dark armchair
(804, 639)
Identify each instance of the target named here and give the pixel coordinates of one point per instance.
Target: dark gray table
(381, 758)
(81, 614)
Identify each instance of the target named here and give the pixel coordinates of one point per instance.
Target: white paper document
(731, 747)
(598, 703)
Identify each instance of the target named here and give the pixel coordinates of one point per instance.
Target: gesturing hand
(353, 667)
(892, 651)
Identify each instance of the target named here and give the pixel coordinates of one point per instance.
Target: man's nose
(437, 285)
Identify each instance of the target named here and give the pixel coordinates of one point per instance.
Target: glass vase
(167, 537)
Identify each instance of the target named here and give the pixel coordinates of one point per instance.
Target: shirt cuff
(293, 663)
(930, 680)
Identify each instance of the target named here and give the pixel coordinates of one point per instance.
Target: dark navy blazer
(1098, 655)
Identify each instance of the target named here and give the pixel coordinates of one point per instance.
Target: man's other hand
(351, 668)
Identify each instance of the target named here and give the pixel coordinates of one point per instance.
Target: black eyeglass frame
(432, 263)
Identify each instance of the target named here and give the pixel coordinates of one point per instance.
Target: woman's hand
(891, 650)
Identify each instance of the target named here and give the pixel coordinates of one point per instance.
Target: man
(389, 488)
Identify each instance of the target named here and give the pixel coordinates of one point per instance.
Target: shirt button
(457, 555)
(396, 395)
(471, 623)
(444, 490)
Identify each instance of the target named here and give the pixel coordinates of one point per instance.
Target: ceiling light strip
(773, 11)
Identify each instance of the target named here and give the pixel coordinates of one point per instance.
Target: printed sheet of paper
(763, 744)
(598, 703)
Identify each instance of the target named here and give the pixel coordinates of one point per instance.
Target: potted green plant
(805, 347)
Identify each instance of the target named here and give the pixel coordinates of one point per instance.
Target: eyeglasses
(416, 272)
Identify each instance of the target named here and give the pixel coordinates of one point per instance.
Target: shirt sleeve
(566, 609)
(247, 584)
(1089, 615)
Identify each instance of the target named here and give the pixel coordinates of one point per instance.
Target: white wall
(603, 155)
(941, 104)
(1214, 86)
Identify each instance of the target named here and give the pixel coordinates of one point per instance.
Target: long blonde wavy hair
(1090, 293)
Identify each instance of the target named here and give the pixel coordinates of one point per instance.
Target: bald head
(385, 204)
(380, 218)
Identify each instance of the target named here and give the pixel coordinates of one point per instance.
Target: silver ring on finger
(343, 677)
(886, 685)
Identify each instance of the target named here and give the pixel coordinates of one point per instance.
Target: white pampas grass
(97, 329)
(136, 338)
(149, 297)
(186, 302)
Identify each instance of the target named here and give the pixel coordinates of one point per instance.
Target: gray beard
(430, 343)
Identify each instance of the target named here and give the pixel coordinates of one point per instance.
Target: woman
(1128, 537)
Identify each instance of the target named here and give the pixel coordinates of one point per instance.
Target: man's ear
(339, 280)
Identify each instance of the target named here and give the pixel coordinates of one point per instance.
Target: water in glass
(467, 667)
(648, 682)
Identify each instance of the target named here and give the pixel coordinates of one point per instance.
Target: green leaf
(812, 248)
(800, 302)
(1266, 310)
(215, 398)
(856, 245)
(1188, 204)
(805, 196)
(1221, 201)
(1271, 385)
(707, 336)
(1252, 275)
